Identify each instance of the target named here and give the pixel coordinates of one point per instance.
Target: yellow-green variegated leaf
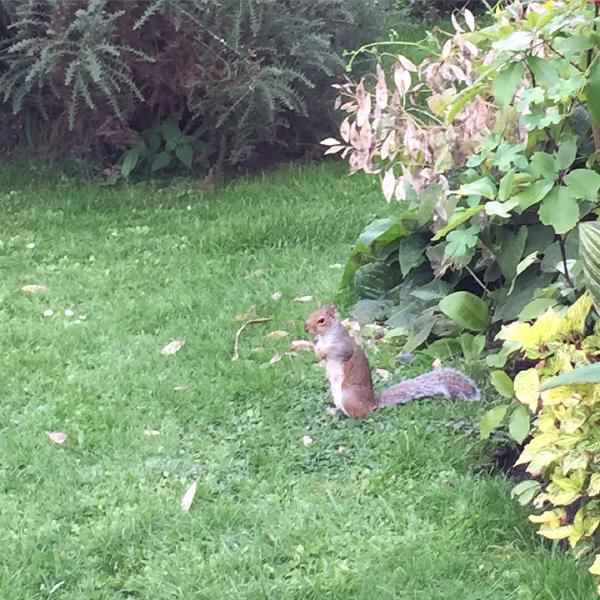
(554, 517)
(594, 485)
(527, 388)
(595, 568)
(578, 312)
(556, 533)
(589, 252)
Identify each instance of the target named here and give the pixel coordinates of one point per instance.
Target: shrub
(488, 146)
(240, 75)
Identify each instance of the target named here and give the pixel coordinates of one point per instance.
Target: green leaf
(506, 187)
(578, 376)
(491, 420)
(461, 243)
(544, 70)
(161, 160)
(481, 187)
(503, 383)
(519, 423)
(171, 131)
(462, 99)
(583, 183)
(506, 82)
(130, 160)
(466, 310)
(510, 251)
(457, 220)
(411, 252)
(560, 210)
(592, 92)
(472, 345)
(153, 139)
(375, 279)
(535, 308)
(428, 200)
(567, 151)
(517, 41)
(534, 193)
(543, 164)
(382, 231)
(589, 252)
(369, 311)
(523, 266)
(525, 491)
(185, 154)
(419, 332)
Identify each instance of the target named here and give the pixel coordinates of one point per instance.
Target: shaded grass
(404, 512)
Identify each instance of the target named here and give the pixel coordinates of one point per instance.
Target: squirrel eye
(321, 321)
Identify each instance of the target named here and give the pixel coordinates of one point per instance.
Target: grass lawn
(410, 510)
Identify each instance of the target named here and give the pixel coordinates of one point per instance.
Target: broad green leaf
(543, 165)
(161, 160)
(185, 154)
(411, 252)
(534, 193)
(519, 424)
(506, 187)
(462, 99)
(592, 91)
(503, 383)
(567, 151)
(525, 491)
(433, 290)
(535, 308)
(491, 420)
(589, 240)
(382, 231)
(510, 251)
(544, 70)
(457, 220)
(506, 82)
(526, 288)
(130, 160)
(523, 266)
(368, 311)
(154, 139)
(466, 310)
(517, 41)
(578, 376)
(472, 345)
(428, 199)
(171, 131)
(461, 244)
(560, 210)
(584, 183)
(375, 279)
(481, 187)
(420, 331)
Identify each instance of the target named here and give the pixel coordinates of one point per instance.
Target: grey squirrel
(350, 376)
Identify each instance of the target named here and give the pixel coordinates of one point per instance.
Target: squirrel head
(321, 320)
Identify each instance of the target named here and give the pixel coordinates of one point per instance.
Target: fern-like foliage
(237, 73)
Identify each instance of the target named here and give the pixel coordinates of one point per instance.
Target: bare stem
(236, 342)
(563, 253)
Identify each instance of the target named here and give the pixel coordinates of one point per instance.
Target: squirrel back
(350, 376)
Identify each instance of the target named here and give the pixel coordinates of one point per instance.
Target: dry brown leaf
(275, 335)
(151, 432)
(303, 298)
(385, 375)
(57, 437)
(246, 316)
(276, 296)
(307, 440)
(33, 288)
(188, 497)
(173, 347)
(275, 359)
(302, 346)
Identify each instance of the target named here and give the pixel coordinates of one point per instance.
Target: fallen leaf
(33, 288)
(383, 374)
(69, 312)
(258, 350)
(173, 347)
(307, 440)
(57, 437)
(31, 245)
(341, 449)
(48, 312)
(302, 346)
(276, 296)
(256, 274)
(151, 432)
(188, 497)
(275, 359)
(275, 335)
(55, 587)
(437, 364)
(246, 316)
(303, 298)
(336, 266)
(82, 317)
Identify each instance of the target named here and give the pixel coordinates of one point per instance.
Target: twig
(236, 342)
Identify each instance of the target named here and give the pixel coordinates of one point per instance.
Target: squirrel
(350, 376)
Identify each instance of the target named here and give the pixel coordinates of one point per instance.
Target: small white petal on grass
(275, 335)
(341, 449)
(181, 388)
(188, 497)
(77, 322)
(336, 266)
(307, 440)
(33, 288)
(255, 274)
(437, 364)
(151, 432)
(189, 207)
(276, 296)
(55, 587)
(173, 347)
(57, 437)
(383, 374)
(82, 317)
(48, 312)
(69, 312)
(275, 359)
(302, 346)
(31, 245)
(303, 298)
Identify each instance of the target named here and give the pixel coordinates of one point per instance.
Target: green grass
(411, 510)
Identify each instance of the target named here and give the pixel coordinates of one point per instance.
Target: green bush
(246, 78)
(487, 146)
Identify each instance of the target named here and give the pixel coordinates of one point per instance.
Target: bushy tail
(439, 382)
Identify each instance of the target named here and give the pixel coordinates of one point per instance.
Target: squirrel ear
(331, 310)
(320, 304)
